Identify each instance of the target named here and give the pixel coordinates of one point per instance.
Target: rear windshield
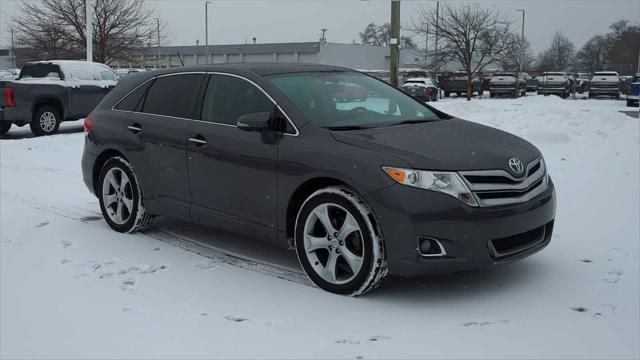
(504, 74)
(41, 71)
(555, 74)
(605, 74)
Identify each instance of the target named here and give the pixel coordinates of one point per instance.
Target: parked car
(555, 83)
(532, 83)
(390, 185)
(421, 88)
(127, 71)
(605, 83)
(626, 81)
(49, 92)
(457, 83)
(505, 84)
(632, 98)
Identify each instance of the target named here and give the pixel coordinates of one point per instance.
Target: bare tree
(380, 35)
(624, 46)
(51, 29)
(517, 53)
(593, 55)
(469, 34)
(559, 56)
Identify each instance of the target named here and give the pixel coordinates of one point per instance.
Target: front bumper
(604, 90)
(502, 90)
(466, 233)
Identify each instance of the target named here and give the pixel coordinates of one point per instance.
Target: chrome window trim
(295, 128)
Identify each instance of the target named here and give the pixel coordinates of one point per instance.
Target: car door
(85, 90)
(232, 173)
(156, 139)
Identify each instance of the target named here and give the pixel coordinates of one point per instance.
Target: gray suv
(360, 189)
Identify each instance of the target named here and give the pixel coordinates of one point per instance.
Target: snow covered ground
(71, 288)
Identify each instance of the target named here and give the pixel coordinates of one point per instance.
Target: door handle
(135, 128)
(198, 140)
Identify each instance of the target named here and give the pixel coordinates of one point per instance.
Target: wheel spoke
(354, 261)
(349, 226)
(322, 213)
(128, 203)
(329, 272)
(109, 200)
(119, 212)
(112, 180)
(124, 181)
(313, 243)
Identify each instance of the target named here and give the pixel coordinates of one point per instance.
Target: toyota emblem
(516, 165)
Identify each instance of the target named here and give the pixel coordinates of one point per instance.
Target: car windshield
(41, 70)
(605, 74)
(555, 74)
(347, 100)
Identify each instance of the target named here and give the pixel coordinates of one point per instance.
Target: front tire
(120, 197)
(4, 127)
(46, 121)
(338, 244)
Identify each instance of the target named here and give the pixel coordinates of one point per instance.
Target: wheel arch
(49, 101)
(99, 163)
(304, 190)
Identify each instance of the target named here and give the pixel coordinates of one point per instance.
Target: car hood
(605, 79)
(503, 79)
(453, 144)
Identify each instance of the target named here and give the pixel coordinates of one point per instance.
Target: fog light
(430, 247)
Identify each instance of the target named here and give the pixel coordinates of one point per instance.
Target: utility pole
(206, 31)
(323, 39)
(158, 45)
(13, 52)
(521, 52)
(426, 46)
(436, 47)
(88, 6)
(394, 42)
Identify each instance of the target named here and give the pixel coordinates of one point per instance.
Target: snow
(72, 288)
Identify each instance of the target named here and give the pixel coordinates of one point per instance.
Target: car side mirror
(260, 121)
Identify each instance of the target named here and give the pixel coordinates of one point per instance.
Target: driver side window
(227, 98)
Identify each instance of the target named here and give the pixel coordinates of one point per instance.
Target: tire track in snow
(217, 255)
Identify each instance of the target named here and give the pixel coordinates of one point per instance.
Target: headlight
(449, 183)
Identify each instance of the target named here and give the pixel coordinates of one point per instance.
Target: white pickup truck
(605, 83)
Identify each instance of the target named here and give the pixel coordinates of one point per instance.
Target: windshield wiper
(416, 121)
(346, 127)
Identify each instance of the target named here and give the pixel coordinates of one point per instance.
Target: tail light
(88, 124)
(8, 97)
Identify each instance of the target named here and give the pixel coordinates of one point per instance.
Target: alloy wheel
(117, 196)
(333, 243)
(47, 121)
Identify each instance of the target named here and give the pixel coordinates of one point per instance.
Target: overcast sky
(233, 21)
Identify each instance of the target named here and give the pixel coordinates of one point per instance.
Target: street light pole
(158, 42)
(206, 31)
(426, 45)
(89, 28)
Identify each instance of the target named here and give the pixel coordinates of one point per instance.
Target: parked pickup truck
(555, 83)
(605, 83)
(457, 83)
(49, 92)
(505, 84)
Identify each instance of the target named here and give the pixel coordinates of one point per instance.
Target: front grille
(498, 187)
(503, 86)
(504, 248)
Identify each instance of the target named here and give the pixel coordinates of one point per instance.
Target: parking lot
(71, 287)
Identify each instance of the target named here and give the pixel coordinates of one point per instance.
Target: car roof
(260, 69)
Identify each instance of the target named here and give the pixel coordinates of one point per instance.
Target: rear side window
(132, 101)
(41, 71)
(227, 98)
(173, 95)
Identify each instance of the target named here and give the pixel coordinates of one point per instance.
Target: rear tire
(46, 121)
(338, 244)
(4, 127)
(120, 197)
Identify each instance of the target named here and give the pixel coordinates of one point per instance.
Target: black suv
(359, 188)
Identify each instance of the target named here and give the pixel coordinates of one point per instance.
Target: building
(348, 55)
